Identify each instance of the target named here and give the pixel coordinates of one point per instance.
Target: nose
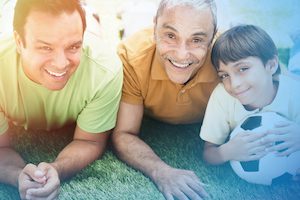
(60, 60)
(182, 51)
(235, 82)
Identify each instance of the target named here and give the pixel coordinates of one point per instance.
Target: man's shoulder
(99, 54)
(138, 47)
(8, 57)
(7, 46)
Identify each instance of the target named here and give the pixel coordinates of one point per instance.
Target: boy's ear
(272, 65)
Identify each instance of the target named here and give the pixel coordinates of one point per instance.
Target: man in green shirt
(54, 73)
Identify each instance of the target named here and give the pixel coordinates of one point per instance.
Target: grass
(109, 178)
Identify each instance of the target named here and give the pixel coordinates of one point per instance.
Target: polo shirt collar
(157, 70)
(206, 73)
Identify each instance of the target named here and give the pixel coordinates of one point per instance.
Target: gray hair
(197, 4)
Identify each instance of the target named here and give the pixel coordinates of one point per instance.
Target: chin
(179, 80)
(55, 87)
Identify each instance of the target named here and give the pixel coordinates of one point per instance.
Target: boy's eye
(223, 76)
(242, 69)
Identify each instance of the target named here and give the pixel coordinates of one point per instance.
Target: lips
(240, 93)
(56, 74)
(180, 65)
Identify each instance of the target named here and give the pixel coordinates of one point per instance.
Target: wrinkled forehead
(173, 4)
(205, 10)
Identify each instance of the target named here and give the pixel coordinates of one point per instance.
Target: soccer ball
(270, 167)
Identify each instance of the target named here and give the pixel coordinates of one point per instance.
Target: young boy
(247, 63)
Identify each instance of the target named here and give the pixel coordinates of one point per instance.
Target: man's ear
(154, 27)
(155, 19)
(18, 41)
(272, 65)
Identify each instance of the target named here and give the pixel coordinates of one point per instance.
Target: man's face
(183, 36)
(52, 49)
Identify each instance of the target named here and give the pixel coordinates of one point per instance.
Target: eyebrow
(41, 41)
(78, 43)
(201, 33)
(72, 44)
(166, 26)
(240, 63)
(237, 64)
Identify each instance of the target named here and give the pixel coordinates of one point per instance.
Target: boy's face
(183, 36)
(250, 81)
(52, 49)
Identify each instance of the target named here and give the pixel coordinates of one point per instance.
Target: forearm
(132, 150)
(11, 164)
(75, 156)
(216, 155)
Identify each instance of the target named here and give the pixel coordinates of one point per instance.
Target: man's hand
(179, 184)
(36, 182)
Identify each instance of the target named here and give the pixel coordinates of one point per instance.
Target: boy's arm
(214, 154)
(243, 147)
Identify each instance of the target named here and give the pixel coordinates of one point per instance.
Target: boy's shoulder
(290, 80)
(222, 97)
(220, 91)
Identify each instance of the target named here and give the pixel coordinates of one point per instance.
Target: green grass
(109, 178)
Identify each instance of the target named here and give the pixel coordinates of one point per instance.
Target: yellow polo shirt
(145, 82)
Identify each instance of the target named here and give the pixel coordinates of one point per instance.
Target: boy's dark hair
(241, 42)
(24, 7)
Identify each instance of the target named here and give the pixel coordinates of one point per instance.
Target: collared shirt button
(182, 91)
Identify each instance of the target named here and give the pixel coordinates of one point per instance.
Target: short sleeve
(131, 92)
(100, 114)
(215, 127)
(3, 123)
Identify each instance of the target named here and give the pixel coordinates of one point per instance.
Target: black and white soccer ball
(270, 167)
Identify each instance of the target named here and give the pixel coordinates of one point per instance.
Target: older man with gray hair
(168, 75)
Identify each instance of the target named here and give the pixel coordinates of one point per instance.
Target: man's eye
(45, 48)
(197, 40)
(171, 36)
(74, 48)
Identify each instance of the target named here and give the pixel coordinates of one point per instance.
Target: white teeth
(56, 74)
(180, 65)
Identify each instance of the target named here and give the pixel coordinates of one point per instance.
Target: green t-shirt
(90, 98)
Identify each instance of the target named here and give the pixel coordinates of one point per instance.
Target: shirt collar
(157, 69)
